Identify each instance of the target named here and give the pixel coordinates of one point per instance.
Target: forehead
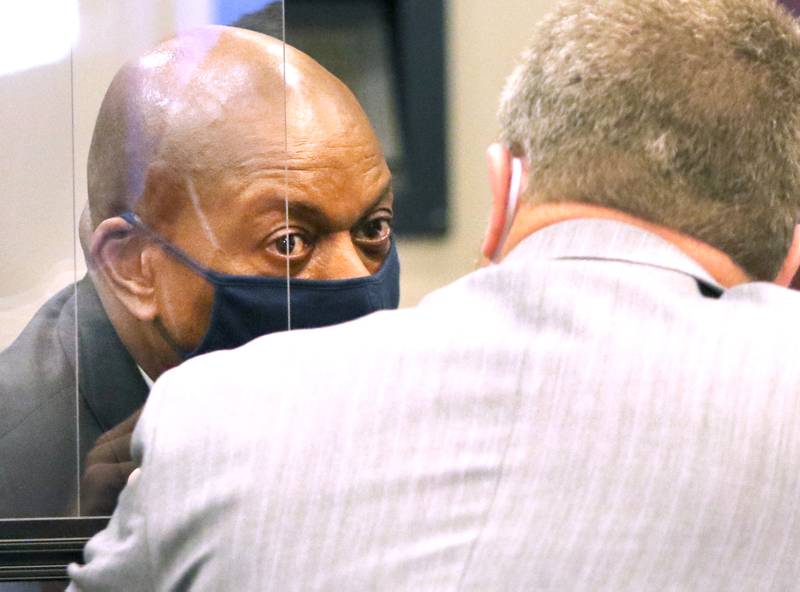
(332, 167)
(303, 137)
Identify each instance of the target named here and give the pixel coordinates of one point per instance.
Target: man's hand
(108, 466)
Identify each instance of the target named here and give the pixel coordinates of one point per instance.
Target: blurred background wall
(483, 40)
(46, 141)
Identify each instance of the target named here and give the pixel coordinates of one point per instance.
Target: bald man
(195, 149)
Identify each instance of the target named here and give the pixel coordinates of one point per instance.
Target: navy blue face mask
(246, 306)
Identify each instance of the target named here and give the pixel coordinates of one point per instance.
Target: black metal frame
(420, 54)
(39, 549)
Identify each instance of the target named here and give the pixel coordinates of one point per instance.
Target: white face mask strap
(511, 208)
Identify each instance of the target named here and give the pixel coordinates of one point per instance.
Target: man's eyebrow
(311, 211)
(382, 194)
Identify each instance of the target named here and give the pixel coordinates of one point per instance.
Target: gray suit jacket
(592, 414)
(46, 429)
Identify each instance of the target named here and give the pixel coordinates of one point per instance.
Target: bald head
(210, 139)
(177, 115)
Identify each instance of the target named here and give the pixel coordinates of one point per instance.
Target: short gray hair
(685, 113)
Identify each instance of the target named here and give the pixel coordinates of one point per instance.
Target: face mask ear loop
(511, 208)
(168, 247)
(136, 222)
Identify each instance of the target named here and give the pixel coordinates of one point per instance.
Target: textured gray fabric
(579, 417)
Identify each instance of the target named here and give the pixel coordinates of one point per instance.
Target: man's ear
(117, 255)
(498, 159)
(787, 276)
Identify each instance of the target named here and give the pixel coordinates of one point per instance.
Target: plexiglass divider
(166, 197)
(122, 144)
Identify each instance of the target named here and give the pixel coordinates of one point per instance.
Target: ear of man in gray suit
(612, 405)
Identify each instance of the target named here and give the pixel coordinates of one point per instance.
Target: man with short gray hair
(613, 405)
(680, 114)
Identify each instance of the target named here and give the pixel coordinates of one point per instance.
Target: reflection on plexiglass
(203, 186)
(107, 118)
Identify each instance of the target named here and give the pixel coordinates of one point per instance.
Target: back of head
(685, 113)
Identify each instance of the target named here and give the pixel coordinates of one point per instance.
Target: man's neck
(533, 217)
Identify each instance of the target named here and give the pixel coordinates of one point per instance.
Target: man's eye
(375, 230)
(290, 245)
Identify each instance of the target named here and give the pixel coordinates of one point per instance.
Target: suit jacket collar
(108, 379)
(602, 239)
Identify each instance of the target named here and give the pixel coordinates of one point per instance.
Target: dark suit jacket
(50, 412)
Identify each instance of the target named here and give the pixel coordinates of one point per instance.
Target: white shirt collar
(148, 381)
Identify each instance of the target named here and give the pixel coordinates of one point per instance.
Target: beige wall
(484, 39)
